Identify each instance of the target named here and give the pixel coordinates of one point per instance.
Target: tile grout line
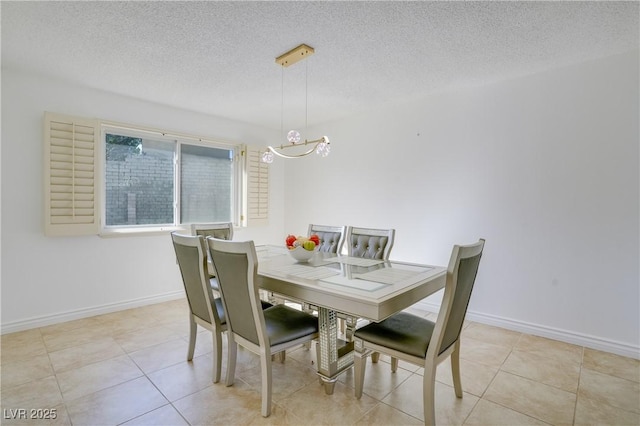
(55, 375)
(575, 405)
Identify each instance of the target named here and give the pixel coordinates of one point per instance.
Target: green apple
(309, 245)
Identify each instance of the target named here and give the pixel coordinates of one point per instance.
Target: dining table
(340, 286)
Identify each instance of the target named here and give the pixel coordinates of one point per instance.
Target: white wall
(47, 280)
(544, 167)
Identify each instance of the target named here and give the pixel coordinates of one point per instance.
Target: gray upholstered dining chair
(263, 332)
(370, 243)
(220, 230)
(420, 341)
(331, 237)
(331, 241)
(204, 309)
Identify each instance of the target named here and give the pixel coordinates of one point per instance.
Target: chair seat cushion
(402, 332)
(285, 324)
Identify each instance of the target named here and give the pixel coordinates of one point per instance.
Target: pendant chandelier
(300, 148)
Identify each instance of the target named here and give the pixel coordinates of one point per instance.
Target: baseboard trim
(567, 336)
(588, 341)
(45, 320)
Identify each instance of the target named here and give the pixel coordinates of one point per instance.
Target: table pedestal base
(333, 355)
(328, 384)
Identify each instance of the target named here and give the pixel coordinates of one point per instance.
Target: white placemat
(306, 272)
(356, 261)
(387, 275)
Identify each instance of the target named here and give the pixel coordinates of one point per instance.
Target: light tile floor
(130, 368)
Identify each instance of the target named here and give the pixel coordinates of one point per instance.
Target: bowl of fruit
(302, 248)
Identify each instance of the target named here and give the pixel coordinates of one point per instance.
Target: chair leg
(428, 395)
(217, 355)
(265, 364)
(280, 356)
(375, 356)
(394, 364)
(455, 369)
(232, 352)
(359, 366)
(349, 327)
(193, 331)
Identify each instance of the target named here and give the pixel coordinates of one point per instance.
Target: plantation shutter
(257, 188)
(71, 175)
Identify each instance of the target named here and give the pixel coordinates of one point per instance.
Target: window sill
(134, 232)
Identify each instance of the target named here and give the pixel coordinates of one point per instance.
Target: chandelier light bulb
(267, 157)
(323, 149)
(293, 136)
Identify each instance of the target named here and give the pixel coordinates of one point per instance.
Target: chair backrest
(191, 252)
(370, 243)
(219, 230)
(461, 276)
(237, 265)
(331, 237)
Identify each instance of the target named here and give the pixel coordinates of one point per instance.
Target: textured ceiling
(219, 57)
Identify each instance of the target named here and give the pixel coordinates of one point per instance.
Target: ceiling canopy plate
(294, 55)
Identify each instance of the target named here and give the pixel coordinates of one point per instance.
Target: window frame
(178, 140)
(238, 179)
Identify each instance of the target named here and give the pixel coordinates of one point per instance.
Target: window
(153, 181)
(208, 184)
(110, 178)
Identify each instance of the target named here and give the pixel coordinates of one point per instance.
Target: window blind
(71, 173)
(257, 188)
